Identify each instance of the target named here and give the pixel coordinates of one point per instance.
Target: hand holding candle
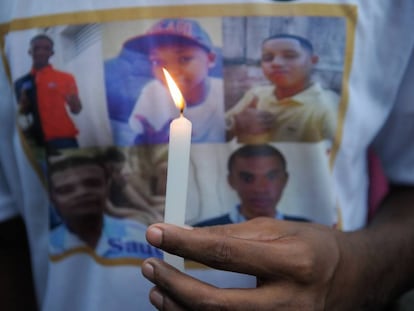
(177, 171)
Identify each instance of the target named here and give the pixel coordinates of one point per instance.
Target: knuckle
(306, 264)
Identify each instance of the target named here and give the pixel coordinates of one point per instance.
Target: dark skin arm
(74, 103)
(391, 235)
(72, 100)
(24, 102)
(299, 266)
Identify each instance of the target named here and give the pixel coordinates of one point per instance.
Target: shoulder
(220, 220)
(62, 74)
(216, 88)
(324, 94)
(22, 79)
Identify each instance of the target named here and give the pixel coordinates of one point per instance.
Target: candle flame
(174, 91)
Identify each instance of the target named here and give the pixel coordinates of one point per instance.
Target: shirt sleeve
(70, 85)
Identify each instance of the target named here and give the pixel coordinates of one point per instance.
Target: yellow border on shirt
(129, 261)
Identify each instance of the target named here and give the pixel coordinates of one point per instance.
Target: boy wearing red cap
(186, 51)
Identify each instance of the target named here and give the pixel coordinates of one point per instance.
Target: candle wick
(182, 111)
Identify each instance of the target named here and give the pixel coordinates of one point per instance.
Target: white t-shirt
(154, 110)
(372, 67)
(120, 238)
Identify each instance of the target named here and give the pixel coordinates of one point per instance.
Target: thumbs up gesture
(253, 121)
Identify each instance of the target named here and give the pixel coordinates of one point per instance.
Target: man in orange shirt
(45, 93)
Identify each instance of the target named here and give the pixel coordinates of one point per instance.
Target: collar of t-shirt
(34, 71)
(236, 217)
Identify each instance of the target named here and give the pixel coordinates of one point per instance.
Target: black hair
(113, 154)
(42, 36)
(305, 43)
(248, 151)
(74, 161)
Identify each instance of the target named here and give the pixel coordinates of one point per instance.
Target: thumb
(253, 102)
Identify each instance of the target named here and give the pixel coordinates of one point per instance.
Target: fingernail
(157, 299)
(154, 236)
(148, 271)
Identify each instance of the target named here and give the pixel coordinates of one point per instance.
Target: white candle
(177, 171)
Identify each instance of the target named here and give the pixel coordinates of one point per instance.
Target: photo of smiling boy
(292, 107)
(185, 49)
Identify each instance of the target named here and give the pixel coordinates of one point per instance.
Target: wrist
(369, 273)
(347, 288)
